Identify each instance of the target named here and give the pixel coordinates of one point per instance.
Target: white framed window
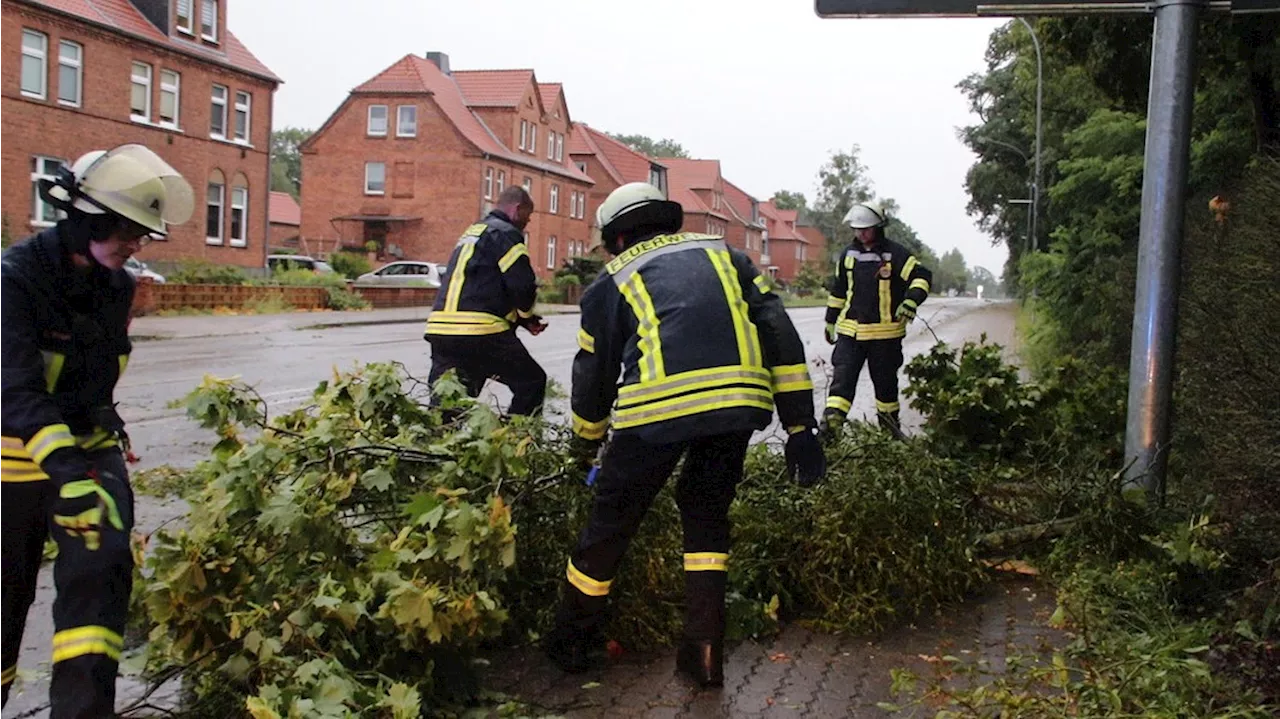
(554, 206)
(140, 92)
(70, 73)
(375, 178)
(524, 133)
(239, 217)
(799, 254)
(377, 125)
(533, 138)
(582, 167)
(407, 121)
(551, 146)
(527, 185)
(551, 252)
(213, 213)
(42, 213)
(183, 14)
(244, 104)
(35, 68)
(502, 181)
(488, 183)
(218, 113)
(170, 96)
(209, 20)
(559, 148)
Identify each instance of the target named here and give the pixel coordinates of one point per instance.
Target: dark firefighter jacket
(65, 343)
(488, 284)
(869, 286)
(703, 345)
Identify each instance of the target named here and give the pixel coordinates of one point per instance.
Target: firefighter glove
(532, 323)
(805, 459)
(906, 311)
(831, 334)
(84, 505)
(584, 451)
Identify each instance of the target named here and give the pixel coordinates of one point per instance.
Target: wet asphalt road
(285, 365)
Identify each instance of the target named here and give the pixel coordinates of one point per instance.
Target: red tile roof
(282, 209)
(812, 235)
(122, 17)
(621, 162)
(413, 74)
(493, 88)
(776, 222)
(685, 176)
(739, 201)
(698, 174)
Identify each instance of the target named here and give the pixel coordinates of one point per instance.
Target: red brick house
(420, 151)
(746, 230)
(611, 164)
(284, 216)
(816, 250)
(788, 247)
(81, 75)
(698, 187)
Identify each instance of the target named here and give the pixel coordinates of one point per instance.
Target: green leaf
(307, 673)
(404, 701)
(259, 709)
(378, 479)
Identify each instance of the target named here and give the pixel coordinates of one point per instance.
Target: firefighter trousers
(883, 358)
(631, 475)
(92, 586)
(502, 357)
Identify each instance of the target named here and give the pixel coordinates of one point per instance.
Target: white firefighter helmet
(130, 181)
(864, 215)
(636, 204)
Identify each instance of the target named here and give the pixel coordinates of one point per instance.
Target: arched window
(239, 234)
(215, 201)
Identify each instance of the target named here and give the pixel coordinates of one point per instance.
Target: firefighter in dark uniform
(878, 287)
(488, 290)
(705, 351)
(66, 307)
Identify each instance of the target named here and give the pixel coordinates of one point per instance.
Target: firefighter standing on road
(488, 290)
(877, 289)
(705, 351)
(66, 304)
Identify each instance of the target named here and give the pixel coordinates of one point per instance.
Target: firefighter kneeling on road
(705, 351)
(877, 289)
(489, 289)
(66, 305)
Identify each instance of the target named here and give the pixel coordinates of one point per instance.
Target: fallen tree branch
(1005, 538)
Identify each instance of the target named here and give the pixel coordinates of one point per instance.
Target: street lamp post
(1035, 187)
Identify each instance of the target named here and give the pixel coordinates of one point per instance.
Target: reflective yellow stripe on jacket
(16, 464)
(690, 393)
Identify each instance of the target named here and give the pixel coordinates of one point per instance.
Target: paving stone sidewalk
(800, 673)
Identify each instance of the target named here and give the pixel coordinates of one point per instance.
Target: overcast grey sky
(764, 86)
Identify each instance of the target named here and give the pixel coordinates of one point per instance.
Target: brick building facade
(790, 244)
(81, 75)
(420, 151)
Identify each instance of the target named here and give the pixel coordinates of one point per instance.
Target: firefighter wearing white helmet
(706, 352)
(878, 286)
(65, 307)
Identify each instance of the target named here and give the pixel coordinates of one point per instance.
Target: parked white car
(280, 263)
(139, 269)
(403, 273)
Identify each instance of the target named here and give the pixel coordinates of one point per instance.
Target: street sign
(978, 8)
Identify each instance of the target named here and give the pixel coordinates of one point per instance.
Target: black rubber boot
(701, 661)
(571, 654)
(889, 423)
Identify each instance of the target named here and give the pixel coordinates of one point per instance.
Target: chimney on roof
(440, 60)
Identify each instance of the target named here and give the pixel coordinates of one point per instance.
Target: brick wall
(47, 128)
(283, 235)
(437, 179)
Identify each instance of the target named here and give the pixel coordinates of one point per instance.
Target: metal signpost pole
(1164, 185)
(1035, 189)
